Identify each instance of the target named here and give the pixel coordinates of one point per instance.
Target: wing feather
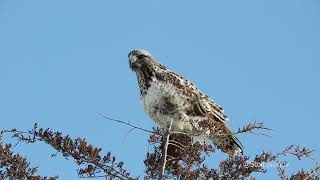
(189, 90)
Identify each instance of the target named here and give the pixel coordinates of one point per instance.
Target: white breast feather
(153, 97)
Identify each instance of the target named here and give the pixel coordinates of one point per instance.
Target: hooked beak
(132, 62)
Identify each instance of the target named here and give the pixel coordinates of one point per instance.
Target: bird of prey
(173, 101)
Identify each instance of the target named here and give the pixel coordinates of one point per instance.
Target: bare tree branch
(165, 151)
(87, 157)
(14, 166)
(252, 128)
(174, 156)
(125, 123)
(297, 151)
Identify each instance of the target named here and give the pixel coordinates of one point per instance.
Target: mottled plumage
(167, 96)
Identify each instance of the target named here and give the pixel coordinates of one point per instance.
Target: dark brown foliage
(185, 160)
(89, 159)
(253, 128)
(302, 174)
(14, 166)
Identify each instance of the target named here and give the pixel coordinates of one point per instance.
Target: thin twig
(127, 134)
(128, 124)
(177, 144)
(313, 172)
(251, 127)
(93, 177)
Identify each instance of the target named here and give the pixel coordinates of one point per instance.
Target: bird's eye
(140, 56)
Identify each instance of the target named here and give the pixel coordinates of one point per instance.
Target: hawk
(173, 101)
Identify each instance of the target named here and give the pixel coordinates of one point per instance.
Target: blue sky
(61, 62)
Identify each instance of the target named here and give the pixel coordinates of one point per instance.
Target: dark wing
(202, 103)
(220, 134)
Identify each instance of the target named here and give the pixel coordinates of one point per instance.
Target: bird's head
(139, 58)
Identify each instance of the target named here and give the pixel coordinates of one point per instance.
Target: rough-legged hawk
(167, 96)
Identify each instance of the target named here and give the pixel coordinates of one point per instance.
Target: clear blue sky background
(61, 62)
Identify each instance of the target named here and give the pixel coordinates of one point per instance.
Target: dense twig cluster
(313, 174)
(187, 160)
(183, 158)
(89, 159)
(14, 166)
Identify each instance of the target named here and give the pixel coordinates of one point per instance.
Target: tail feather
(225, 140)
(236, 147)
(228, 144)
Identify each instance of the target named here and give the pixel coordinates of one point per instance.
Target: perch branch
(165, 151)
